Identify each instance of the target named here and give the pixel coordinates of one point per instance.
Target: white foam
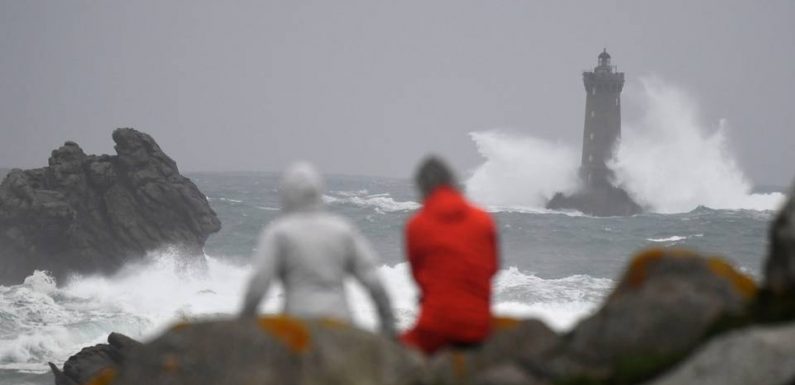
(222, 199)
(41, 322)
(381, 203)
(268, 208)
(674, 238)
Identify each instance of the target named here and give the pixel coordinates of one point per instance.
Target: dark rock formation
(95, 361)
(87, 213)
(780, 264)
(602, 201)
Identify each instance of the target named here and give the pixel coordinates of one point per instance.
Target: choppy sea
(555, 266)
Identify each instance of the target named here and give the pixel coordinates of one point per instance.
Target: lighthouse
(597, 194)
(602, 121)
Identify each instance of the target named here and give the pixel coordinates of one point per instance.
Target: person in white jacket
(311, 251)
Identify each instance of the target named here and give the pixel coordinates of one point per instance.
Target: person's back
(312, 251)
(452, 249)
(316, 249)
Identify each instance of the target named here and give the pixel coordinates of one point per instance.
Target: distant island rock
(92, 213)
(603, 200)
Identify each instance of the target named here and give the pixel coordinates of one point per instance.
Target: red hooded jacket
(452, 249)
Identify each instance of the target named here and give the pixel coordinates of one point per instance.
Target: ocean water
(556, 266)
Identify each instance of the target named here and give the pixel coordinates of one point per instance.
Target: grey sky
(368, 87)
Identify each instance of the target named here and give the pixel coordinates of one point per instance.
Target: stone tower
(602, 120)
(597, 194)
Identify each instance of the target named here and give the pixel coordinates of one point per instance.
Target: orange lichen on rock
(180, 326)
(104, 377)
(170, 363)
(459, 363)
(741, 282)
(503, 323)
(333, 323)
(292, 332)
(637, 273)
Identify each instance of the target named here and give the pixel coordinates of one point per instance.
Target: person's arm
(265, 264)
(364, 268)
(412, 254)
(495, 246)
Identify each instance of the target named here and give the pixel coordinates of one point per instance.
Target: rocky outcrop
(87, 213)
(758, 355)
(95, 361)
(601, 201)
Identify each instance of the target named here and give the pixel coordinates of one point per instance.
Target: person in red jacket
(452, 250)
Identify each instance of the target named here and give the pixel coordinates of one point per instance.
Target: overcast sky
(368, 87)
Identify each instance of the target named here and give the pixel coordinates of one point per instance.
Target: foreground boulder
(509, 356)
(87, 213)
(662, 308)
(758, 355)
(269, 350)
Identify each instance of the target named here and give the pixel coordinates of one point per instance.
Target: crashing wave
(669, 161)
(42, 322)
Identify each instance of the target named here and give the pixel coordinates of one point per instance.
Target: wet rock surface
(95, 361)
(780, 265)
(600, 201)
(92, 213)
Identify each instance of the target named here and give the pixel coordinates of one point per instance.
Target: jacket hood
(446, 203)
(301, 187)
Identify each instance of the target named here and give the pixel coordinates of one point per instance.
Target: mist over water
(669, 161)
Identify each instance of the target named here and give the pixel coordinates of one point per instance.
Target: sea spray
(520, 171)
(672, 162)
(668, 161)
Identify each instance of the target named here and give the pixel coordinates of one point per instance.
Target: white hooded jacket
(312, 251)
